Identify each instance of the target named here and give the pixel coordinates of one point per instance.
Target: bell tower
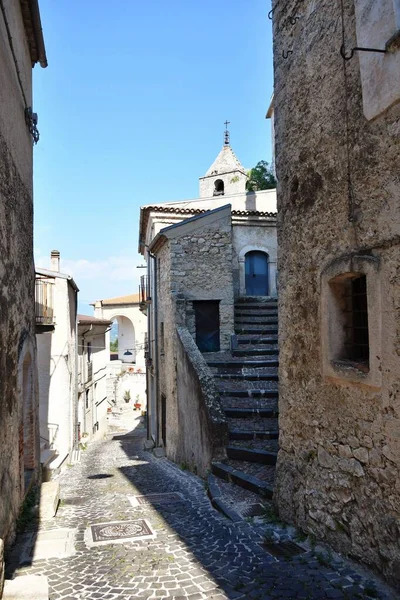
(226, 175)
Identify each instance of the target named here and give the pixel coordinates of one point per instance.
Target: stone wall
(201, 269)
(201, 420)
(338, 197)
(19, 438)
(195, 264)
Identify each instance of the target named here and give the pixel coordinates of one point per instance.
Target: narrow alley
(108, 542)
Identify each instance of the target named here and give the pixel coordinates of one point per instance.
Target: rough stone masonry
(338, 221)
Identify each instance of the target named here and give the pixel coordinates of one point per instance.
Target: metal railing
(44, 301)
(89, 371)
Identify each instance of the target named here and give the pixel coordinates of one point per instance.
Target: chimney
(55, 260)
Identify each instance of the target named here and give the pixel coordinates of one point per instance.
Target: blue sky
(131, 111)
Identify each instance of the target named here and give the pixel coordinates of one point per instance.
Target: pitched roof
(226, 162)
(129, 299)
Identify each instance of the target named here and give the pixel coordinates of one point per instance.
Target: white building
(93, 357)
(126, 372)
(56, 298)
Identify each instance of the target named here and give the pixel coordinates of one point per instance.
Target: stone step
(255, 320)
(269, 340)
(256, 375)
(253, 425)
(237, 364)
(247, 392)
(248, 412)
(253, 350)
(242, 434)
(257, 330)
(259, 456)
(252, 403)
(261, 485)
(49, 500)
(257, 300)
(26, 587)
(247, 369)
(271, 446)
(255, 310)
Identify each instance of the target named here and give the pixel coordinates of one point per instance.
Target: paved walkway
(186, 548)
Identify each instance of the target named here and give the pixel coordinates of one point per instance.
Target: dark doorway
(207, 325)
(256, 270)
(164, 419)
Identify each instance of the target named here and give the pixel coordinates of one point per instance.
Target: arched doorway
(256, 273)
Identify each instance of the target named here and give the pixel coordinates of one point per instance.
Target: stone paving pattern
(197, 552)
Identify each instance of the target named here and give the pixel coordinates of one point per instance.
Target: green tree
(260, 177)
(114, 346)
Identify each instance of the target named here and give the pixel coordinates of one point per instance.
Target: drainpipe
(156, 361)
(82, 371)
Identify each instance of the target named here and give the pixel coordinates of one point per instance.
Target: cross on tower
(226, 133)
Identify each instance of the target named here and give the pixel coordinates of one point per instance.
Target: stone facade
(19, 425)
(194, 262)
(338, 197)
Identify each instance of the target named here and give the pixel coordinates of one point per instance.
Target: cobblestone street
(173, 547)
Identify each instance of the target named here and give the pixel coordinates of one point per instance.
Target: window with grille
(356, 341)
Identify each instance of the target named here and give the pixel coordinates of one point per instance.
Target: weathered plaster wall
(17, 333)
(338, 467)
(57, 372)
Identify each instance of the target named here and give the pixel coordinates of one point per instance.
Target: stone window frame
(332, 329)
(378, 26)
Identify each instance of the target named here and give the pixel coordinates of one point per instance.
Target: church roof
(226, 162)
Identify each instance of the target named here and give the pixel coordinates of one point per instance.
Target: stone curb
(214, 494)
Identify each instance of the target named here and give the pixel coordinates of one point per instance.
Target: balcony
(144, 293)
(44, 305)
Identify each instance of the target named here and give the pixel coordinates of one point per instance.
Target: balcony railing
(89, 371)
(44, 303)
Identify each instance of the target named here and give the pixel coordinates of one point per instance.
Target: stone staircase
(247, 379)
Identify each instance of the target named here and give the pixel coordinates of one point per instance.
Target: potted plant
(138, 404)
(127, 396)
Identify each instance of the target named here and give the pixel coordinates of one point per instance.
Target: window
(351, 320)
(87, 399)
(219, 188)
(89, 351)
(351, 295)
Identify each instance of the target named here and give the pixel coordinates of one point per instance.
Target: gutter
(38, 32)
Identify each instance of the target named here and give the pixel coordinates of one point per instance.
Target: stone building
(337, 128)
(21, 46)
(56, 309)
(201, 254)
